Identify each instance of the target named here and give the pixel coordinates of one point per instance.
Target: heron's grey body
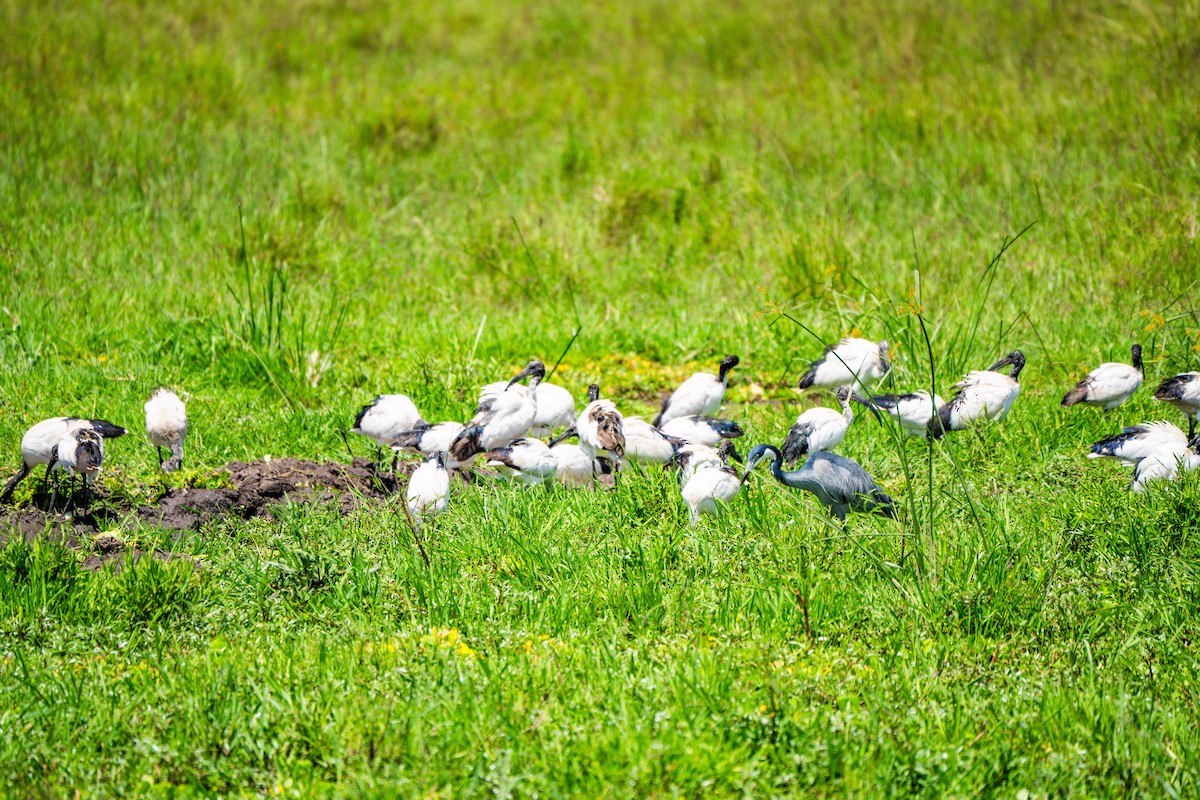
(838, 482)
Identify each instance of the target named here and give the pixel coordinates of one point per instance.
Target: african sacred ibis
(708, 485)
(555, 406)
(1183, 393)
(644, 442)
(601, 428)
(1155, 450)
(502, 418)
(702, 430)
(700, 395)
(428, 490)
(913, 411)
(383, 419)
(690, 457)
(166, 426)
(822, 429)
(1108, 385)
(853, 362)
(526, 461)
(575, 466)
(79, 452)
(838, 482)
(982, 394)
(428, 439)
(40, 443)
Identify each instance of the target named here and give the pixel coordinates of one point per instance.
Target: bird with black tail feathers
(913, 411)
(822, 429)
(428, 439)
(526, 461)
(1108, 385)
(382, 420)
(1182, 392)
(703, 430)
(852, 362)
(982, 394)
(839, 483)
(700, 395)
(502, 418)
(39, 444)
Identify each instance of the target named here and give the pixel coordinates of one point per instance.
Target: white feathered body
(81, 452)
(387, 417)
(851, 363)
(1109, 385)
(1163, 465)
(434, 439)
(826, 427)
(166, 419)
(526, 461)
(982, 394)
(913, 411)
(1138, 442)
(575, 466)
(428, 489)
(700, 395)
(555, 405)
(644, 442)
(708, 484)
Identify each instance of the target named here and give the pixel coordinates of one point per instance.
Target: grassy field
(284, 209)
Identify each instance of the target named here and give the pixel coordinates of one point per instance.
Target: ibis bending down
(1183, 393)
(822, 429)
(503, 418)
(700, 395)
(838, 482)
(709, 484)
(913, 411)
(555, 407)
(428, 488)
(702, 430)
(1108, 385)
(526, 461)
(575, 466)
(40, 443)
(1155, 450)
(690, 457)
(383, 419)
(79, 452)
(982, 394)
(644, 442)
(428, 439)
(853, 362)
(166, 426)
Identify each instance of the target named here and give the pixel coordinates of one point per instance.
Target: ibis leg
(22, 472)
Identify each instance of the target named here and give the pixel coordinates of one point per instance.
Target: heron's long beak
(867, 404)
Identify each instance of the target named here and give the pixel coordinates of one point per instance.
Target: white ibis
(1108, 385)
(555, 406)
(838, 482)
(913, 411)
(575, 466)
(385, 418)
(503, 418)
(428, 439)
(166, 426)
(702, 430)
(700, 395)
(853, 362)
(646, 443)
(601, 428)
(526, 461)
(822, 429)
(709, 485)
(1155, 450)
(690, 457)
(79, 452)
(982, 394)
(1183, 393)
(428, 488)
(40, 442)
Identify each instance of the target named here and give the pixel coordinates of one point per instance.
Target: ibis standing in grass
(1183, 393)
(1155, 450)
(40, 443)
(1108, 385)
(166, 426)
(853, 362)
(913, 411)
(822, 429)
(383, 419)
(428, 489)
(690, 457)
(838, 482)
(555, 406)
(79, 452)
(710, 487)
(703, 430)
(700, 395)
(428, 439)
(601, 428)
(503, 418)
(982, 394)
(526, 461)
(646, 443)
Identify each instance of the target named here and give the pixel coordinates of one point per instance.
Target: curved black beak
(1004, 362)
(867, 404)
(567, 434)
(727, 363)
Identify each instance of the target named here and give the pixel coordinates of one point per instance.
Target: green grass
(427, 194)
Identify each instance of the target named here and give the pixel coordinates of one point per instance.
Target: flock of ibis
(511, 429)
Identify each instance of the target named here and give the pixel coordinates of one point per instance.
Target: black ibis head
(728, 363)
(1016, 359)
(535, 370)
